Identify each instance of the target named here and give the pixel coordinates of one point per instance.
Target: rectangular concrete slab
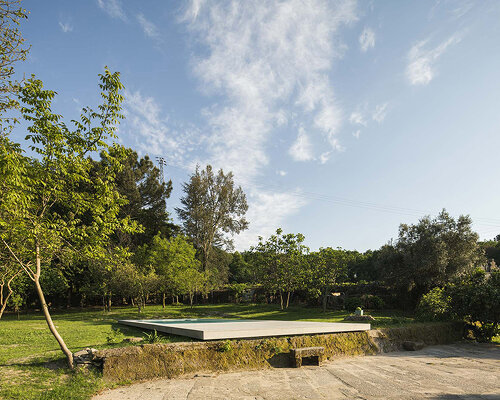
(213, 329)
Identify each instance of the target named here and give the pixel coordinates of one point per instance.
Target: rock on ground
(449, 372)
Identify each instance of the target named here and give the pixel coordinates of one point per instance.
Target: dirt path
(452, 372)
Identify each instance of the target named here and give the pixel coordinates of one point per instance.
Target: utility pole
(162, 162)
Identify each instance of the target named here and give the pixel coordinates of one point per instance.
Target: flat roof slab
(213, 329)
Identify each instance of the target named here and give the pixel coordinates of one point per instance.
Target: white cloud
(156, 134)
(357, 118)
(113, 8)
(356, 134)
(148, 27)
(324, 157)
(421, 60)
(380, 112)
(266, 213)
(281, 172)
(302, 149)
(66, 26)
(367, 39)
(268, 64)
(255, 60)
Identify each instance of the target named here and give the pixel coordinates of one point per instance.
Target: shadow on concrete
(466, 397)
(280, 360)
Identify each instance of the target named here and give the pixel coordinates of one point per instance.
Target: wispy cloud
(66, 26)
(324, 157)
(113, 8)
(356, 134)
(267, 211)
(255, 60)
(380, 112)
(357, 118)
(422, 59)
(302, 149)
(255, 63)
(148, 27)
(281, 172)
(367, 39)
(156, 133)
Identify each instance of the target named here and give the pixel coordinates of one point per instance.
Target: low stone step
(307, 356)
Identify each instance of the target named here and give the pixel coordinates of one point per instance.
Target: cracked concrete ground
(450, 372)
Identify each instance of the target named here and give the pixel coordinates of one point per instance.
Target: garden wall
(150, 361)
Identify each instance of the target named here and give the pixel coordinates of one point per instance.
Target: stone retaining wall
(150, 361)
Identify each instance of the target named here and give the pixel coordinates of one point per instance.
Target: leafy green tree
(12, 50)
(212, 209)
(192, 280)
(327, 267)
(170, 258)
(242, 269)
(475, 298)
(35, 230)
(282, 263)
(434, 305)
(129, 281)
(431, 253)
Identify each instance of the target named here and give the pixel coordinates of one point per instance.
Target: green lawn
(32, 367)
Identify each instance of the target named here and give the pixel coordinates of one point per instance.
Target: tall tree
(139, 182)
(212, 209)
(63, 208)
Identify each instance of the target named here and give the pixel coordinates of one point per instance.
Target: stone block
(307, 355)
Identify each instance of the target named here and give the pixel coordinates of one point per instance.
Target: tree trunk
(164, 296)
(281, 300)
(68, 297)
(287, 299)
(132, 302)
(45, 309)
(4, 301)
(109, 301)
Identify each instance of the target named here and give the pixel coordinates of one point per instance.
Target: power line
(488, 223)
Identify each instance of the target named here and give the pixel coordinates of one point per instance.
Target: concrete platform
(213, 329)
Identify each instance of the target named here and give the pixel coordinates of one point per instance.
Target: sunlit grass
(32, 366)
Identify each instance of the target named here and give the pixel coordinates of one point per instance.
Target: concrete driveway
(460, 371)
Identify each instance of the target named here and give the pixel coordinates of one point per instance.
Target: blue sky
(339, 119)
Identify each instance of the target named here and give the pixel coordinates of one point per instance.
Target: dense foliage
(474, 298)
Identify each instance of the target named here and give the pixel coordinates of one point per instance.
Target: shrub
(372, 302)
(476, 300)
(351, 303)
(434, 306)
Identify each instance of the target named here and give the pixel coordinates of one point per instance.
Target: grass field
(32, 366)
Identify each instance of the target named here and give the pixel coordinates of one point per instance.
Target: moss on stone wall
(172, 360)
